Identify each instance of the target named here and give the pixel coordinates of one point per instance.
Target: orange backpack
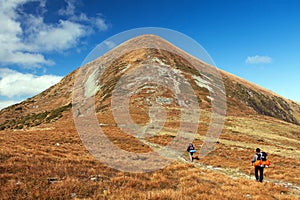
(262, 160)
(262, 163)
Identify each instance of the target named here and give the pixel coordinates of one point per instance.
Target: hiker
(259, 162)
(191, 149)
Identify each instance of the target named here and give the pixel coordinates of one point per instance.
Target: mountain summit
(243, 98)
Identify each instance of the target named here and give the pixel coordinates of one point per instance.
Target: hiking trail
(230, 172)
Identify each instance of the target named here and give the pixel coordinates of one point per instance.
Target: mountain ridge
(263, 102)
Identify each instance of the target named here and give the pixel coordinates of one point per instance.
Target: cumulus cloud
(66, 34)
(14, 84)
(29, 60)
(26, 37)
(258, 59)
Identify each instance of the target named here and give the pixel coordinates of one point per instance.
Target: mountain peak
(243, 98)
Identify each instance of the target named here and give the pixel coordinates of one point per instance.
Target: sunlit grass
(30, 158)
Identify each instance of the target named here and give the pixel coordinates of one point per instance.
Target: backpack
(262, 156)
(262, 160)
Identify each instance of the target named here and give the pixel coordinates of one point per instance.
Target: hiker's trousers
(259, 177)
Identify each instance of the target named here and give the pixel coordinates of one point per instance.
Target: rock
(52, 180)
(95, 178)
(73, 195)
(18, 183)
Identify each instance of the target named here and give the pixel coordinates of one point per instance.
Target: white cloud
(69, 10)
(100, 24)
(15, 84)
(26, 37)
(30, 60)
(6, 103)
(258, 59)
(66, 35)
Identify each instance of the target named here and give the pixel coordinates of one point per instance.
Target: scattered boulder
(73, 195)
(95, 178)
(52, 180)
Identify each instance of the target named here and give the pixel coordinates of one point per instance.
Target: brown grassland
(50, 162)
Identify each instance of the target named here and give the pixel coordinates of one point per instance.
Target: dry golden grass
(30, 159)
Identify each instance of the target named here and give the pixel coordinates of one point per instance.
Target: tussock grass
(29, 158)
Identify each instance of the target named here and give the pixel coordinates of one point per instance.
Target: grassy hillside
(51, 162)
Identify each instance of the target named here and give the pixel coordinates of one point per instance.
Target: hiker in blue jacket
(191, 149)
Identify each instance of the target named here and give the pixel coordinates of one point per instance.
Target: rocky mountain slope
(242, 97)
(43, 157)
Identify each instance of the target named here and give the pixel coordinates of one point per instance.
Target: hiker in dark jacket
(258, 168)
(191, 149)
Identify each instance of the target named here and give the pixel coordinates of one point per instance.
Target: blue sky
(43, 40)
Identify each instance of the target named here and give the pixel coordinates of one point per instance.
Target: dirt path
(230, 172)
(235, 174)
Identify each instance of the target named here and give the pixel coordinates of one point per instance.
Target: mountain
(39, 134)
(242, 96)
